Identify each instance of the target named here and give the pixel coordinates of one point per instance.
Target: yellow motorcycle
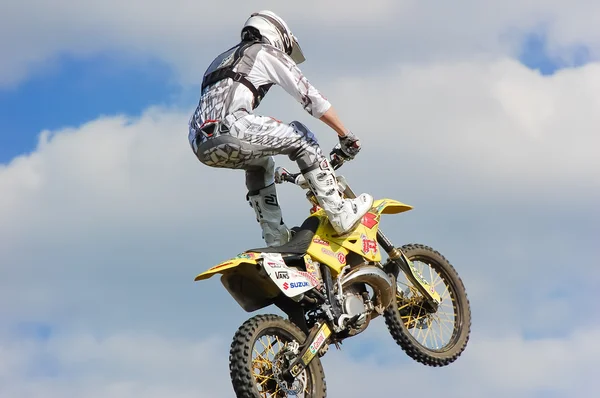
(331, 287)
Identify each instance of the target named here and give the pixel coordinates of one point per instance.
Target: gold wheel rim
(429, 329)
(264, 362)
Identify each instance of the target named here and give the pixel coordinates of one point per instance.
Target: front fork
(399, 262)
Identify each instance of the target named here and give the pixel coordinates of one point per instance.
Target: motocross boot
(269, 216)
(344, 214)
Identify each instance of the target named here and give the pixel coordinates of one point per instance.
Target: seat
(299, 242)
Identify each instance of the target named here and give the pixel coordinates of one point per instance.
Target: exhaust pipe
(377, 279)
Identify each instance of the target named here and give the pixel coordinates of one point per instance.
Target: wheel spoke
(266, 354)
(438, 324)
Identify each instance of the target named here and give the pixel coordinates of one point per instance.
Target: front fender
(243, 258)
(390, 206)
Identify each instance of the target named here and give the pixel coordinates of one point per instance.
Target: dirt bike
(331, 287)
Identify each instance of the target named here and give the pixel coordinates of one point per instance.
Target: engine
(356, 303)
(357, 300)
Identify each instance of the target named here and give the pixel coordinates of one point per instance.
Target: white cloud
(104, 226)
(187, 35)
(127, 365)
(509, 129)
(507, 366)
(121, 365)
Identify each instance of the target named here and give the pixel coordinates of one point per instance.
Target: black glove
(350, 144)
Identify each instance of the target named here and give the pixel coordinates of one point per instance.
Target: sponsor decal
(314, 347)
(381, 206)
(368, 245)
(227, 60)
(321, 242)
(417, 274)
(249, 256)
(369, 220)
(313, 272)
(324, 165)
(271, 200)
(282, 275)
(328, 252)
(296, 369)
(294, 285)
(310, 276)
(221, 265)
(273, 264)
(340, 256)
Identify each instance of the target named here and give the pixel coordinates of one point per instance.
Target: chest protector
(222, 68)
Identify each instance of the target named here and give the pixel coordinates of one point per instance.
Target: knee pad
(306, 133)
(309, 152)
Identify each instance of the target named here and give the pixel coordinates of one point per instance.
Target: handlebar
(337, 159)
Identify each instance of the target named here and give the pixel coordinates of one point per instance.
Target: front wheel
(256, 357)
(438, 338)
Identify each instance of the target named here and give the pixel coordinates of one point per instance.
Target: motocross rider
(224, 131)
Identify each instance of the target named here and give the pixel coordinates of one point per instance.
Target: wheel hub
(279, 362)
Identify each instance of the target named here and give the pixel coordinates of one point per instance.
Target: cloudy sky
(485, 116)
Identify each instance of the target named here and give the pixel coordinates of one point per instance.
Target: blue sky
(534, 54)
(114, 237)
(76, 91)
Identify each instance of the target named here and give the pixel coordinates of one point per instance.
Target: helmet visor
(297, 55)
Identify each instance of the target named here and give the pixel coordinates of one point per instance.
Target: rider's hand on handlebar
(281, 175)
(350, 145)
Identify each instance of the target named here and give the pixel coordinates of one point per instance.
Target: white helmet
(268, 27)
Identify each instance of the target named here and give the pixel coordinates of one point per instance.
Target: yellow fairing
(326, 246)
(243, 258)
(331, 249)
(390, 206)
(327, 251)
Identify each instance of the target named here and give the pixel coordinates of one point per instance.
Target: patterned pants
(251, 144)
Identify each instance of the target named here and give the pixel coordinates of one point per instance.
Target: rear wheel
(256, 357)
(431, 338)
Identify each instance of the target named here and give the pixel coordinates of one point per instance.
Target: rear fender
(242, 258)
(254, 279)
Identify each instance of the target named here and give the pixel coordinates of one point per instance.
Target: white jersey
(263, 65)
